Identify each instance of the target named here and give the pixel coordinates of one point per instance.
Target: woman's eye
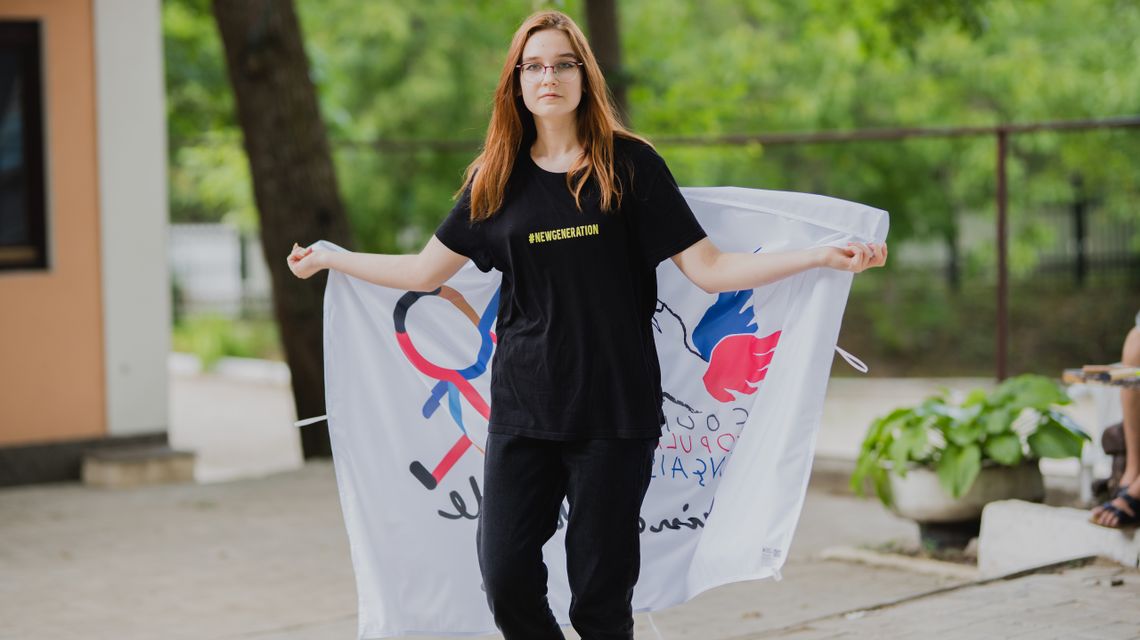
(565, 66)
(532, 68)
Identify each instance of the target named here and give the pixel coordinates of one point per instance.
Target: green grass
(213, 337)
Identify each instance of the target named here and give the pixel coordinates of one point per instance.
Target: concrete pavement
(257, 550)
(267, 558)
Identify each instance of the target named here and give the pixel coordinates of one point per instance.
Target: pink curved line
(457, 450)
(439, 373)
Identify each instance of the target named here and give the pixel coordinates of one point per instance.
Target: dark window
(23, 233)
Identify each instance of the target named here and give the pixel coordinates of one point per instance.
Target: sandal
(1124, 520)
(1120, 492)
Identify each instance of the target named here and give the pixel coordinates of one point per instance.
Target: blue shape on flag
(486, 320)
(727, 316)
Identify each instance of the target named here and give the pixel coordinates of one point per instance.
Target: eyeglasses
(563, 71)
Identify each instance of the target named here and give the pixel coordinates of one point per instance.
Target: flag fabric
(743, 374)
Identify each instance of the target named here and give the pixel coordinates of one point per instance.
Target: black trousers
(524, 482)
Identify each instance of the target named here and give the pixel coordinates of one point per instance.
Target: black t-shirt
(575, 356)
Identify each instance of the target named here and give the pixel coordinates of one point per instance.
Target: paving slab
(1016, 535)
(1098, 600)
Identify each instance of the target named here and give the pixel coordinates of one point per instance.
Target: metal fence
(1088, 244)
(218, 269)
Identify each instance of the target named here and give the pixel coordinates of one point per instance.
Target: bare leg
(1130, 405)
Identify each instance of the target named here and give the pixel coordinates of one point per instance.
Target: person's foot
(1125, 481)
(1112, 517)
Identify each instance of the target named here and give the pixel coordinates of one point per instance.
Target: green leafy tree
(405, 90)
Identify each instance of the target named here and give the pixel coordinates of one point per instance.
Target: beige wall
(51, 334)
(130, 100)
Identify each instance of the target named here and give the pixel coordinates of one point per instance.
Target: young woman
(576, 212)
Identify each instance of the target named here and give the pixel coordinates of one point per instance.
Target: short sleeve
(666, 224)
(457, 233)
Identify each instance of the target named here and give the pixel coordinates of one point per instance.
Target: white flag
(743, 373)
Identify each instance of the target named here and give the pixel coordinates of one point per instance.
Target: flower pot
(946, 522)
(919, 497)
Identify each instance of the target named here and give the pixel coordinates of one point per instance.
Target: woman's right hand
(305, 262)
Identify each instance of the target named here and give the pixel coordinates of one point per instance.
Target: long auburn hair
(512, 124)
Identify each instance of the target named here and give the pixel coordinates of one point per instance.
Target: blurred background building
(85, 329)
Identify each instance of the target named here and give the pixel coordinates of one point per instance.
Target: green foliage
(209, 173)
(426, 69)
(1005, 448)
(213, 337)
(404, 70)
(1053, 440)
(911, 323)
(958, 466)
(1014, 422)
(764, 66)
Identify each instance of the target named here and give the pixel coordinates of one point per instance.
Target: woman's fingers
(880, 257)
(301, 267)
(298, 252)
(873, 255)
(860, 256)
(296, 261)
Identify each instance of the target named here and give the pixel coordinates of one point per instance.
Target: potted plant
(940, 462)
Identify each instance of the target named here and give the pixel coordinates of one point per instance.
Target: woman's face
(550, 97)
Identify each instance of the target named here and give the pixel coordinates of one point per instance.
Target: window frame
(25, 37)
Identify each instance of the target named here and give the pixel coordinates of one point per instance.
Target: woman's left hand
(855, 257)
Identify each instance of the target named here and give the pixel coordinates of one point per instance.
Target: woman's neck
(556, 140)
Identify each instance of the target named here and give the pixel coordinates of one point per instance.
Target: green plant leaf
(965, 433)
(1068, 423)
(908, 444)
(881, 428)
(898, 455)
(1004, 448)
(998, 421)
(958, 468)
(896, 437)
(916, 441)
(975, 397)
(934, 405)
(1053, 440)
(1030, 390)
(882, 486)
(863, 466)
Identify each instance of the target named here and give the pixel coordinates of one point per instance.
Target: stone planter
(948, 522)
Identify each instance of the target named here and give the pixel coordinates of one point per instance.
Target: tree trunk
(602, 25)
(294, 184)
